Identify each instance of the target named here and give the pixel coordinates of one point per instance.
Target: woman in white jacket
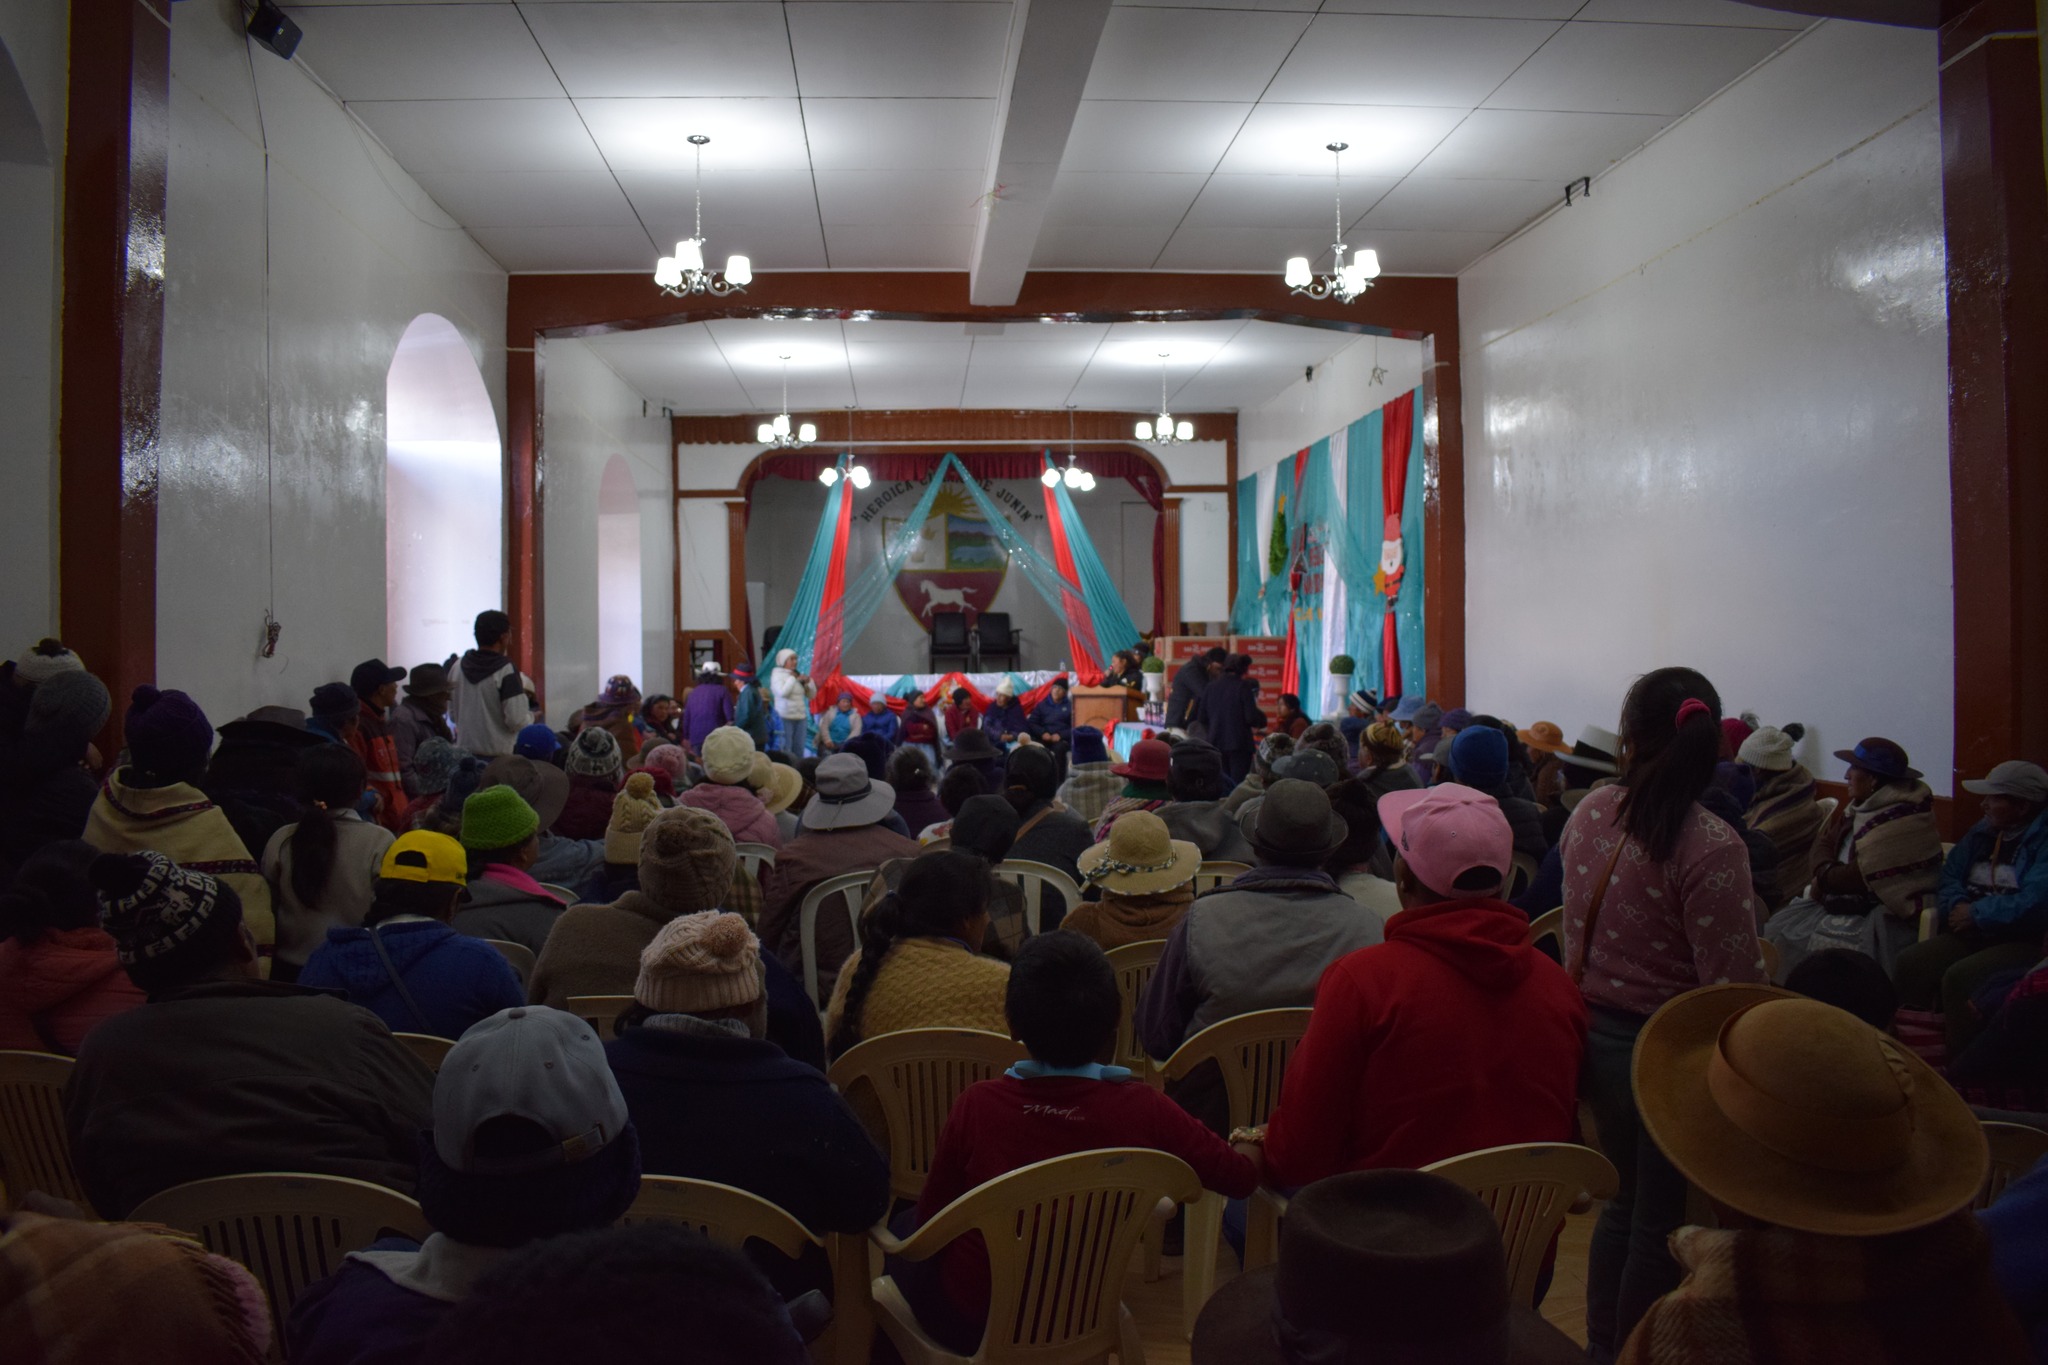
(792, 693)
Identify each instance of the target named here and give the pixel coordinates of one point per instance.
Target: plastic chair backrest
(290, 1230)
(913, 1077)
(565, 894)
(1771, 956)
(1522, 875)
(754, 857)
(1133, 964)
(428, 1047)
(726, 1214)
(1060, 1234)
(1549, 924)
(1032, 879)
(1530, 1187)
(850, 887)
(518, 954)
(1251, 1050)
(35, 1148)
(1827, 806)
(601, 1012)
(1217, 871)
(2015, 1148)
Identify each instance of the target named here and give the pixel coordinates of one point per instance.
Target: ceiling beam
(1052, 47)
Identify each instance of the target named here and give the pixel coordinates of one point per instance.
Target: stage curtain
(1401, 449)
(1107, 617)
(1244, 619)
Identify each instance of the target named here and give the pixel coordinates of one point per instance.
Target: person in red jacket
(376, 687)
(1063, 1006)
(59, 977)
(1453, 1035)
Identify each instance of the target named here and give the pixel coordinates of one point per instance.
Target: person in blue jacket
(1052, 720)
(405, 964)
(1993, 902)
(878, 720)
(1005, 719)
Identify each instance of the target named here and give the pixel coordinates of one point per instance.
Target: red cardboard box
(1269, 659)
(1176, 650)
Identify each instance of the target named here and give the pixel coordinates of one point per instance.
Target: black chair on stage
(950, 640)
(995, 640)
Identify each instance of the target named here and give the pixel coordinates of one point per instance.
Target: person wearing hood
(491, 704)
(50, 791)
(1478, 759)
(708, 706)
(404, 963)
(154, 804)
(1005, 721)
(59, 975)
(1195, 777)
(1877, 865)
(1784, 807)
(837, 725)
(728, 762)
(1421, 723)
(1090, 785)
(421, 716)
(1147, 879)
(878, 720)
(791, 691)
(1190, 683)
(1453, 1035)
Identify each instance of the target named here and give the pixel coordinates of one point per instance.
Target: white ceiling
(858, 134)
(735, 366)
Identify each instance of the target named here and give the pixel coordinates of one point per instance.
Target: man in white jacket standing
(491, 704)
(792, 692)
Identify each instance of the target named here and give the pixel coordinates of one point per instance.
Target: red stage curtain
(1397, 429)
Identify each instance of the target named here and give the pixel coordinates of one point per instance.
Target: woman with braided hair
(915, 968)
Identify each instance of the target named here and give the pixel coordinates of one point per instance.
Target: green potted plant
(1338, 690)
(1154, 669)
(1343, 665)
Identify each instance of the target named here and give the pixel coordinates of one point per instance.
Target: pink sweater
(1664, 928)
(745, 817)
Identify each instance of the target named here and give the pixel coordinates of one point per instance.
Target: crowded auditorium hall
(861, 682)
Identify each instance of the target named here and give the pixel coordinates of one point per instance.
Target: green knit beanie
(497, 817)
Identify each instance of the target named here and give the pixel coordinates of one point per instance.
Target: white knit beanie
(700, 963)
(1767, 748)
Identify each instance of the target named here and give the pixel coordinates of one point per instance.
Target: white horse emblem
(936, 596)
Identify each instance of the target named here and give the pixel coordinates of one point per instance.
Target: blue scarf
(1032, 1070)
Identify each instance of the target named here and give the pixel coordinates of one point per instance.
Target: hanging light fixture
(857, 475)
(1165, 431)
(1344, 282)
(1075, 477)
(778, 434)
(684, 272)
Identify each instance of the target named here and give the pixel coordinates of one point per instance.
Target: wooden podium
(1105, 707)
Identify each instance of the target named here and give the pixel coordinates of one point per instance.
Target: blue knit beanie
(1088, 745)
(1479, 757)
(538, 743)
(168, 735)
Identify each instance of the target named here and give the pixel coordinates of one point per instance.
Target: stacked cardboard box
(1268, 653)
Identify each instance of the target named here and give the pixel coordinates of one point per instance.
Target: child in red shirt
(1062, 1005)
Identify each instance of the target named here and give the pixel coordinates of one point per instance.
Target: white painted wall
(590, 416)
(34, 34)
(1205, 553)
(1706, 416)
(1309, 409)
(357, 251)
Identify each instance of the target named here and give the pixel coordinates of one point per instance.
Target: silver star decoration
(1379, 374)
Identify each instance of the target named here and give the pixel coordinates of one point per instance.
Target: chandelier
(844, 468)
(1344, 282)
(1075, 477)
(684, 272)
(1165, 431)
(777, 434)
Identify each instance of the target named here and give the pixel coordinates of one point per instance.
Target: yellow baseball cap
(423, 856)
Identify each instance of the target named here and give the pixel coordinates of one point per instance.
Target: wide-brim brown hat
(541, 785)
(971, 745)
(1802, 1115)
(1293, 821)
(1140, 857)
(1397, 1266)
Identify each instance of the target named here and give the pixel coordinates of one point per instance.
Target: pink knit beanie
(699, 963)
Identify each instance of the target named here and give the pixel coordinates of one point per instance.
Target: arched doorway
(443, 495)
(618, 571)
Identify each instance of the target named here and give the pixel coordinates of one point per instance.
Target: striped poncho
(179, 822)
(1785, 810)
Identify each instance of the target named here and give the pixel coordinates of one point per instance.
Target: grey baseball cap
(2014, 777)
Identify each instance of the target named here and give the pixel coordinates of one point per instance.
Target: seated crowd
(235, 934)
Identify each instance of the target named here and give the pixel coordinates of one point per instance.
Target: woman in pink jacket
(728, 756)
(58, 974)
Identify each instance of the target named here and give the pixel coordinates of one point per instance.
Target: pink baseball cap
(1444, 832)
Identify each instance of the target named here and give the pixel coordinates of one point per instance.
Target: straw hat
(1545, 737)
(1140, 857)
(780, 785)
(1802, 1115)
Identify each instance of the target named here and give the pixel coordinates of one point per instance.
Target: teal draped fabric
(800, 632)
(1245, 610)
(1113, 627)
(875, 583)
(1041, 573)
(1332, 535)
(1364, 497)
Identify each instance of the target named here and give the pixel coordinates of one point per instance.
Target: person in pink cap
(1453, 1035)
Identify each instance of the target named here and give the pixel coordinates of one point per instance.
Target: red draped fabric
(1073, 611)
(1397, 431)
(830, 688)
(831, 638)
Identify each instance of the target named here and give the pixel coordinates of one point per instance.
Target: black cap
(372, 674)
(333, 701)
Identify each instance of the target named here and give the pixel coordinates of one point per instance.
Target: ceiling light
(779, 432)
(1344, 282)
(1051, 477)
(1165, 431)
(684, 272)
(829, 475)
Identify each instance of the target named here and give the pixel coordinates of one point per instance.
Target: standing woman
(324, 868)
(1657, 902)
(792, 691)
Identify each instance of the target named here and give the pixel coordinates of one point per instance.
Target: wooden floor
(1157, 1305)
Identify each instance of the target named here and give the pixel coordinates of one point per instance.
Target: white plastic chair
(754, 857)
(1032, 879)
(913, 1076)
(852, 889)
(1522, 874)
(601, 1012)
(2015, 1149)
(1549, 924)
(518, 954)
(35, 1147)
(1217, 871)
(430, 1048)
(1529, 1187)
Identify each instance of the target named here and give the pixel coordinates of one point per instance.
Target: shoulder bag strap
(1032, 823)
(1577, 966)
(418, 1015)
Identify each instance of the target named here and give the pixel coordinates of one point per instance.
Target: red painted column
(116, 141)
(1995, 203)
(522, 509)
